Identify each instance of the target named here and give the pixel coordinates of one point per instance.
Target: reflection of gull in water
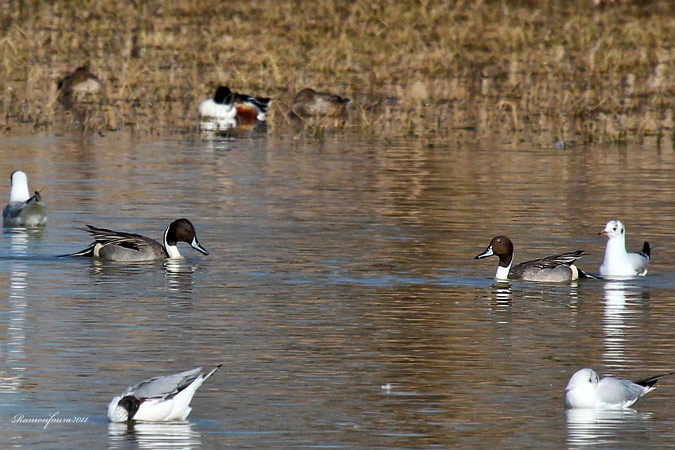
(153, 435)
(599, 427)
(617, 299)
(613, 323)
(13, 351)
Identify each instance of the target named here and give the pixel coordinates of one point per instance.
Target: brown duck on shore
(310, 103)
(80, 82)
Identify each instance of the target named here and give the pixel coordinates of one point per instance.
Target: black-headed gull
(586, 390)
(22, 209)
(618, 263)
(556, 268)
(159, 399)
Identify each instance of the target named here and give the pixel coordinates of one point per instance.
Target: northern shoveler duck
(159, 399)
(22, 209)
(556, 268)
(310, 103)
(231, 109)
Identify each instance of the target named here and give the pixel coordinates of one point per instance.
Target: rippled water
(341, 293)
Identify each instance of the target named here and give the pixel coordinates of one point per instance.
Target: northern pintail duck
(159, 399)
(121, 246)
(618, 263)
(230, 109)
(557, 268)
(310, 103)
(22, 209)
(586, 390)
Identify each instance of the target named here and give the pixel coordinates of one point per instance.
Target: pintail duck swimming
(22, 209)
(586, 390)
(556, 268)
(618, 263)
(230, 109)
(310, 103)
(159, 399)
(130, 247)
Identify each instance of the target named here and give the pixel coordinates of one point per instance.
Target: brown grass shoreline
(569, 70)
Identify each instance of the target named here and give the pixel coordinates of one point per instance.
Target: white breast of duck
(220, 110)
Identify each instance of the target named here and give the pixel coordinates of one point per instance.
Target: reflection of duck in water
(310, 103)
(556, 268)
(22, 209)
(159, 399)
(586, 390)
(618, 263)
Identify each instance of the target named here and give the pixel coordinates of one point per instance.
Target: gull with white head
(586, 390)
(618, 263)
(22, 209)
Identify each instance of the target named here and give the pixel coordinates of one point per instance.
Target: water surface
(341, 293)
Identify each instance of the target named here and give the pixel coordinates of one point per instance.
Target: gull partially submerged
(159, 399)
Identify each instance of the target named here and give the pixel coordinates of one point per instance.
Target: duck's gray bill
(486, 253)
(195, 244)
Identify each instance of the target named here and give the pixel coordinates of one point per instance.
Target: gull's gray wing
(620, 392)
(163, 386)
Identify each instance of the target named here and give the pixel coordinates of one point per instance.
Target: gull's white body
(586, 390)
(21, 210)
(618, 263)
(162, 399)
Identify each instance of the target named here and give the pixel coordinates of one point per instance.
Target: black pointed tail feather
(213, 371)
(646, 250)
(89, 251)
(583, 274)
(651, 381)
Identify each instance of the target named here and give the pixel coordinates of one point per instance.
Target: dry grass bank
(566, 70)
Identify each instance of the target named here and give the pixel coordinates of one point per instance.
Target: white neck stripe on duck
(171, 249)
(19, 192)
(503, 271)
